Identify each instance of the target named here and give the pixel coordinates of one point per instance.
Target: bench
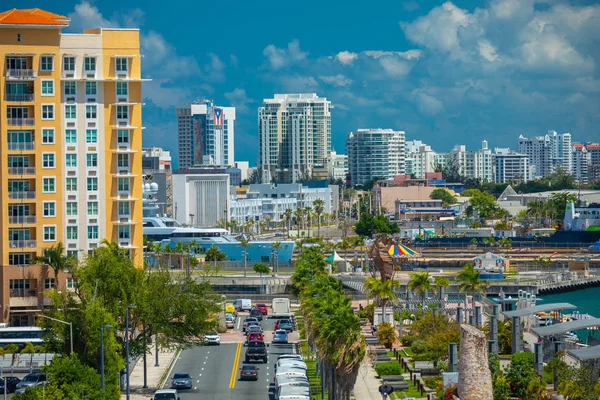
(430, 371)
(400, 385)
(380, 352)
(392, 378)
(383, 358)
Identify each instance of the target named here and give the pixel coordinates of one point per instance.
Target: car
(292, 389)
(249, 321)
(181, 380)
(249, 372)
(285, 324)
(255, 336)
(263, 308)
(11, 384)
(166, 394)
(253, 328)
(30, 380)
(280, 336)
(212, 338)
(289, 363)
(230, 323)
(276, 325)
(256, 313)
(256, 350)
(291, 355)
(289, 372)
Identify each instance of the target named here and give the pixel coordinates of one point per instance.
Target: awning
(400, 250)
(534, 310)
(124, 55)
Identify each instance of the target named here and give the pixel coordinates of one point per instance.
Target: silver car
(181, 380)
(30, 381)
(212, 338)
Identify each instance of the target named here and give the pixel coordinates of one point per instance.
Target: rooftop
(557, 329)
(588, 353)
(32, 17)
(536, 309)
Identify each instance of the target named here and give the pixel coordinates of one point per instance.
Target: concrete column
(557, 347)
(478, 316)
(459, 315)
(494, 333)
(492, 346)
(474, 376)
(517, 342)
(538, 358)
(496, 310)
(452, 357)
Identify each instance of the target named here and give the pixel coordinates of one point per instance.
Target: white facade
(294, 134)
(338, 165)
(510, 166)
(201, 200)
(582, 159)
(244, 166)
(156, 159)
(375, 153)
(420, 159)
(203, 138)
(472, 164)
(547, 153)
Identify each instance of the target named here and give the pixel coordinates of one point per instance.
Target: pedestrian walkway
(367, 385)
(154, 374)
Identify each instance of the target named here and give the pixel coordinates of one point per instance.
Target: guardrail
(21, 195)
(21, 146)
(22, 219)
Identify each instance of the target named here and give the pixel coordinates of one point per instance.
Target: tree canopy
(444, 195)
(368, 225)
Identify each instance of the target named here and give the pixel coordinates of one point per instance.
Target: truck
(256, 350)
(281, 307)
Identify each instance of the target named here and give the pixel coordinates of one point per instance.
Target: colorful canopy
(400, 250)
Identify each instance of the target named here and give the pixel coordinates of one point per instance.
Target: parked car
(290, 363)
(249, 372)
(291, 355)
(30, 380)
(212, 338)
(255, 336)
(181, 380)
(263, 308)
(166, 394)
(280, 336)
(256, 313)
(11, 384)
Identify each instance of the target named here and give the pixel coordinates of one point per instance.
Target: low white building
(201, 200)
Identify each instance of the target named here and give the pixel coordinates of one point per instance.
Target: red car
(255, 336)
(263, 308)
(276, 326)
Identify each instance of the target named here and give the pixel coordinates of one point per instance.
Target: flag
(218, 117)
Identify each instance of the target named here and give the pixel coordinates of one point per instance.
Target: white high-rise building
(294, 135)
(510, 166)
(338, 165)
(420, 159)
(205, 134)
(548, 153)
(582, 159)
(471, 164)
(375, 153)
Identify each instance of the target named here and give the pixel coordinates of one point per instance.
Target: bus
(21, 335)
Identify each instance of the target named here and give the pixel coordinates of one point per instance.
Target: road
(215, 369)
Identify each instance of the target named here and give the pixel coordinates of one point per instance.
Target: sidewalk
(154, 374)
(367, 385)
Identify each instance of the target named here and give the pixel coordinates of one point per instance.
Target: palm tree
(420, 283)
(319, 206)
(308, 215)
(441, 283)
(55, 258)
(245, 244)
(383, 291)
(299, 214)
(268, 221)
(470, 283)
(287, 214)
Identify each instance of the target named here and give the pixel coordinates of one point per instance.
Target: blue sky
(445, 73)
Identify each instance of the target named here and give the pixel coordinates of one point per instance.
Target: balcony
(21, 171)
(23, 292)
(20, 121)
(22, 219)
(22, 244)
(21, 146)
(19, 96)
(28, 195)
(18, 74)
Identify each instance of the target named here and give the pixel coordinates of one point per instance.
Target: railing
(21, 195)
(23, 292)
(19, 97)
(22, 219)
(21, 171)
(20, 121)
(21, 244)
(21, 73)
(21, 146)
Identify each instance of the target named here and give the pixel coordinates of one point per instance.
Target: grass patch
(311, 371)
(412, 391)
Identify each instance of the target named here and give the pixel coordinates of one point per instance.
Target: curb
(167, 373)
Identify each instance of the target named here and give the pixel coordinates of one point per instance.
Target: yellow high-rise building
(71, 141)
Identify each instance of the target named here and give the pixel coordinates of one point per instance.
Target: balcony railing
(22, 244)
(23, 292)
(21, 73)
(21, 146)
(21, 195)
(20, 121)
(21, 171)
(19, 97)
(22, 219)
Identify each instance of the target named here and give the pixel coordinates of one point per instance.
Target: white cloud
(410, 6)
(345, 57)
(282, 57)
(487, 50)
(336, 80)
(427, 104)
(407, 55)
(395, 67)
(87, 16)
(164, 94)
(239, 99)
(298, 83)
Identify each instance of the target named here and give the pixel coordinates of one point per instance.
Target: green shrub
(407, 340)
(418, 347)
(389, 368)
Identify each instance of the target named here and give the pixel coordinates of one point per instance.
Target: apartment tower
(71, 139)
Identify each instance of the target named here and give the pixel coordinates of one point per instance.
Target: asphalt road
(215, 369)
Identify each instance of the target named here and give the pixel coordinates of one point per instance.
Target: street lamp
(62, 322)
(127, 347)
(102, 351)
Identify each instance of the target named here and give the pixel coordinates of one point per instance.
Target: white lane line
(202, 369)
(198, 381)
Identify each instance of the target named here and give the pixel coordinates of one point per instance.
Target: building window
(18, 37)
(48, 185)
(90, 88)
(123, 208)
(49, 283)
(19, 258)
(121, 88)
(70, 89)
(71, 136)
(92, 208)
(121, 64)
(123, 231)
(49, 233)
(91, 112)
(47, 111)
(71, 233)
(89, 64)
(122, 112)
(71, 283)
(72, 253)
(70, 112)
(93, 232)
(47, 63)
(122, 160)
(122, 136)
(92, 160)
(69, 63)
(47, 160)
(47, 136)
(71, 208)
(91, 136)
(18, 284)
(71, 185)
(49, 209)
(123, 184)
(92, 184)
(47, 87)
(71, 160)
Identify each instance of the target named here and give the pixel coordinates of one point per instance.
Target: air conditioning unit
(71, 173)
(72, 245)
(72, 197)
(91, 173)
(122, 123)
(93, 197)
(71, 124)
(91, 124)
(91, 100)
(93, 221)
(71, 98)
(72, 221)
(71, 148)
(90, 75)
(69, 74)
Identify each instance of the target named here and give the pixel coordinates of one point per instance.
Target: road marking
(198, 381)
(234, 369)
(202, 369)
(238, 319)
(195, 387)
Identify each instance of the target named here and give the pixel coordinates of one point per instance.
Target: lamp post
(102, 328)
(62, 322)
(127, 392)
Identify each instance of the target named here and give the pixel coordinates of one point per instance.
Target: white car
(166, 394)
(212, 338)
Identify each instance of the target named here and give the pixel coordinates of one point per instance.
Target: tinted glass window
(164, 396)
(181, 376)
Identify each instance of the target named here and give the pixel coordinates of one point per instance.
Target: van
(281, 307)
(293, 372)
(242, 305)
(291, 363)
(289, 388)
